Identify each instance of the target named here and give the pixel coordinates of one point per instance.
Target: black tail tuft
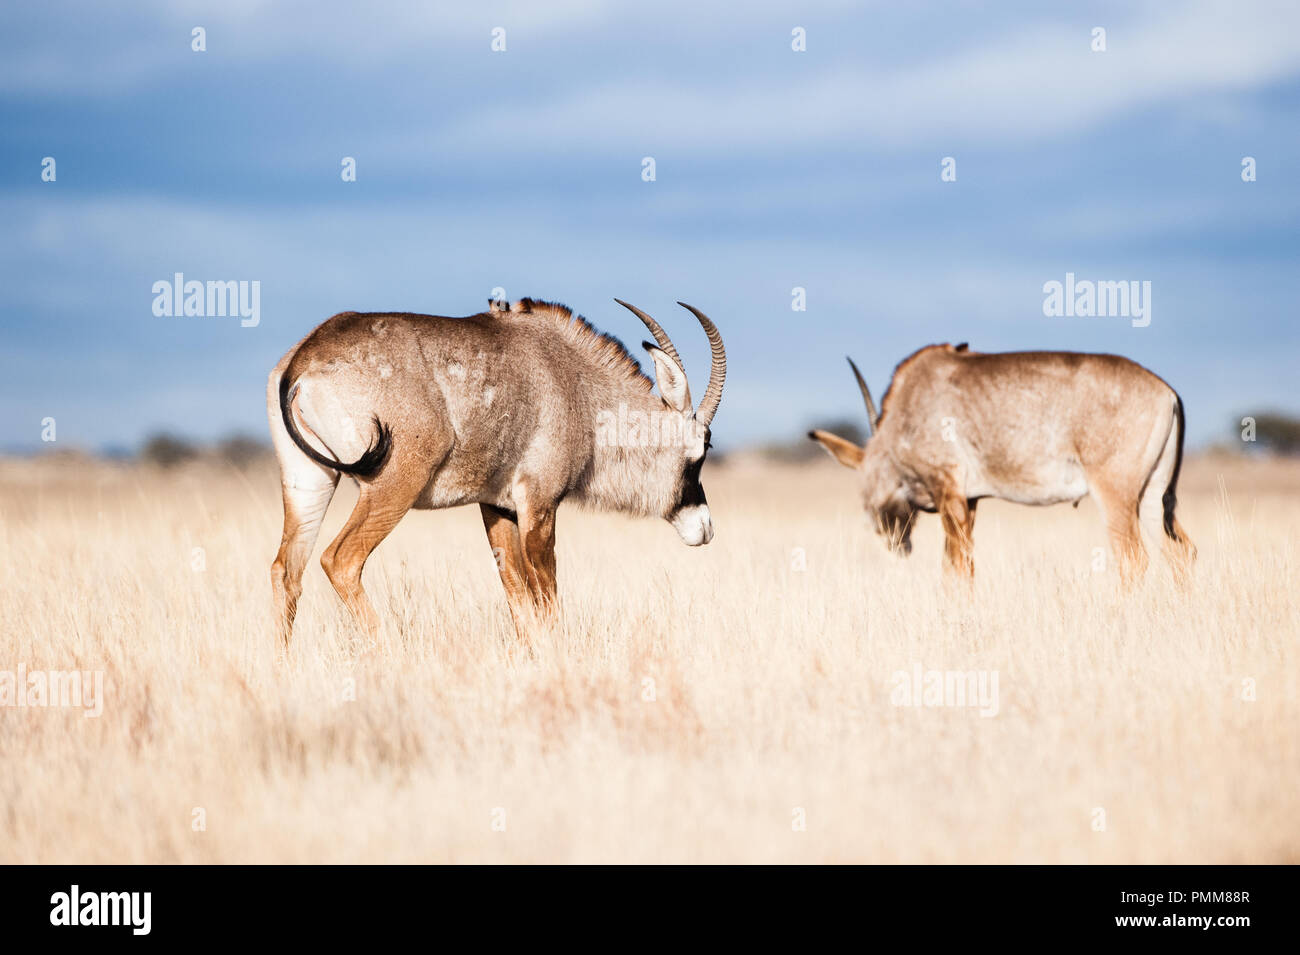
(367, 465)
(1170, 499)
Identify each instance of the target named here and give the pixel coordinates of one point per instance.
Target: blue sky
(522, 170)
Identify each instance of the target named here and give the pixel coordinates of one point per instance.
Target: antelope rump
(956, 426)
(499, 409)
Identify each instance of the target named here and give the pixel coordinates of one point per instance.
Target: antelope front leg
(503, 534)
(958, 518)
(537, 537)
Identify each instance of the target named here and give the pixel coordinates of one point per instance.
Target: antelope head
(682, 447)
(887, 496)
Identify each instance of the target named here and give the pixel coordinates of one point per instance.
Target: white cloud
(1036, 83)
(97, 51)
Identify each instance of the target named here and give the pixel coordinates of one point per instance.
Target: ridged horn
(872, 417)
(657, 331)
(717, 372)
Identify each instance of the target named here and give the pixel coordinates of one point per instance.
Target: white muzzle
(693, 525)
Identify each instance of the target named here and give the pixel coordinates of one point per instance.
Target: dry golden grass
(772, 685)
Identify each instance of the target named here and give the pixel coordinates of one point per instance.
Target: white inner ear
(671, 380)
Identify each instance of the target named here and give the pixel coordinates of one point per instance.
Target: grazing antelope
(956, 426)
(514, 409)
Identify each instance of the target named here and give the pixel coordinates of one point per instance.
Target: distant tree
(78, 456)
(1275, 431)
(166, 450)
(242, 450)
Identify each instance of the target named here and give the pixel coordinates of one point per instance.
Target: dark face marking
(690, 513)
(692, 490)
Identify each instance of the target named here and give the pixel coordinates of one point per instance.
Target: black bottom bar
(332, 905)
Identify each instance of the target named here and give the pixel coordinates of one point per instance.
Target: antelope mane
(602, 350)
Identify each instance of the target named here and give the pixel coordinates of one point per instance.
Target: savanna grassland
(734, 702)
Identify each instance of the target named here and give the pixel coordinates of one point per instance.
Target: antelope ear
(845, 452)
(671, 379)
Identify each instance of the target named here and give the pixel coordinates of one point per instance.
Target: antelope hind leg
(304, 509)
(379, 508)
(1120, 510)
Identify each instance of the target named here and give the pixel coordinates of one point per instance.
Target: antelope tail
(367, 465)
(1170, 499)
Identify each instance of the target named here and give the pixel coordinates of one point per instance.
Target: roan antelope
(956, 426)
(513, 409)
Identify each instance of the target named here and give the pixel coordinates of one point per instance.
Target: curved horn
(872, 417)
(660, 335)
(717, 372)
